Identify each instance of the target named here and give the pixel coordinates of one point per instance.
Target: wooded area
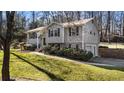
(110, 23)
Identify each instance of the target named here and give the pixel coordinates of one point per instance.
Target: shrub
(46, 49)
(82, 56)
(75, 54)
(69, 52)
(50, 50)
(15, 45)
(53, 50)
(103, 47)
(60, 52)
(89, 55)
(30, 47)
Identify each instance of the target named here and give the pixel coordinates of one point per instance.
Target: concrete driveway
(109, 61)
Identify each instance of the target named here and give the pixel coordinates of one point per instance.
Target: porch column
(27, 37)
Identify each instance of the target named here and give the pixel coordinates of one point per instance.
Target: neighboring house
(82, 34)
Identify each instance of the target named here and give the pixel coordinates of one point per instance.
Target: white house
(82, 34)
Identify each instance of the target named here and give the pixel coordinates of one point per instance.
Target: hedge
(69, 53)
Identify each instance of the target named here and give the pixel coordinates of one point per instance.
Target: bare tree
(100, 25)
(107, 33)
(6, 41)
(1, 29)
(33, 18)
(123, 23)
(78, 15)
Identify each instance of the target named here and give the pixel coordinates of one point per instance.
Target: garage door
(91, 49)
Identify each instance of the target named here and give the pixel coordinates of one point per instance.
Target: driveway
(109, 61)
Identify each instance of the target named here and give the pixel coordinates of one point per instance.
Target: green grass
(112, 68)
(33, 67)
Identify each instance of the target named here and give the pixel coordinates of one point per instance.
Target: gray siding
(73, 45)
(73, 39)
(90, 33)
(54, 39)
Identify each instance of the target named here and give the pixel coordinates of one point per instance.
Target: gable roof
(66, 24)
(54, 23)
(36, 29)
(77, 22)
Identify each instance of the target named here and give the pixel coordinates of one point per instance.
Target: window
(77, 31)
(69, 46)
(77, 46)
(49, 33)
(69, 31)
(58, 31)
(44, 41)
(73, 33)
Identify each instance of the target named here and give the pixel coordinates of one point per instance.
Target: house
(82, 34)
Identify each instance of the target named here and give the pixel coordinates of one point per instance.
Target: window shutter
(58, 31)
(44, 41)
(49, 33)
(77, 31)
(69, 31)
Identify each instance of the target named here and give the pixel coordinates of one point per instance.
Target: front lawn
(26, 66)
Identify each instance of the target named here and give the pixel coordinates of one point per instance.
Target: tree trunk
(101, 30)
(92, 14)
(0, 46)
(109, 27)
(5, 67)
(6, 45)
(123, 25)
(78, 15)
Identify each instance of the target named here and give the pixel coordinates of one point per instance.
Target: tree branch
(2, 38)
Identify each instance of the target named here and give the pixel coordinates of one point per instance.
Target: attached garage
(92, 48)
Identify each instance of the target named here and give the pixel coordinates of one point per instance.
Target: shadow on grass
(57, 65)
(51, 75)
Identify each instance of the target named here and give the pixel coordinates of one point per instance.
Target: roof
(66, 24)
(77, 22)
(36, 29)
